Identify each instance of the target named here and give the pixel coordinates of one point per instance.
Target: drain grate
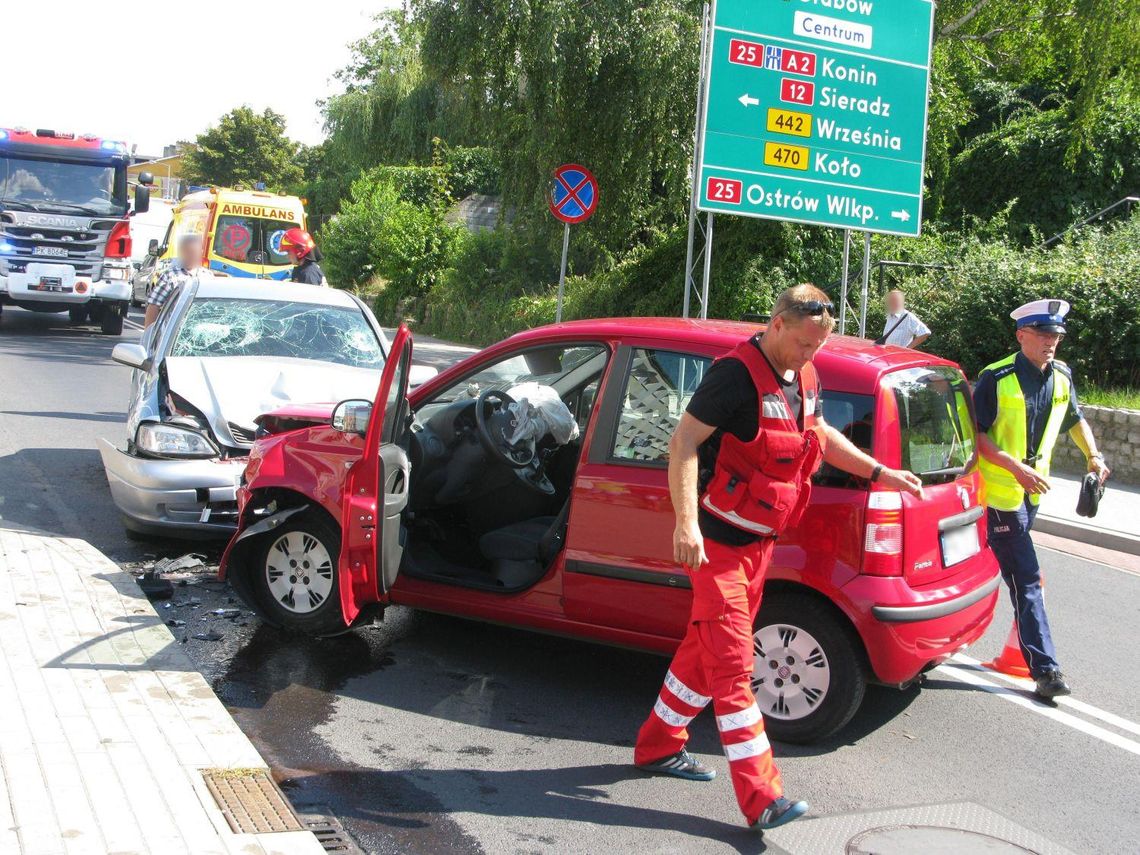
(329, 832)
(250, 801)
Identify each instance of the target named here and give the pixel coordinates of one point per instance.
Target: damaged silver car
(221, 354)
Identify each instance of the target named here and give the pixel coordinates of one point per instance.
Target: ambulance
(241, 231)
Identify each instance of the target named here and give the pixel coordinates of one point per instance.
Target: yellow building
(167, 172)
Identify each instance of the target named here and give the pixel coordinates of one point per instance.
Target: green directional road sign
(815, 112)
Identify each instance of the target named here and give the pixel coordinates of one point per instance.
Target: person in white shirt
(902, 328)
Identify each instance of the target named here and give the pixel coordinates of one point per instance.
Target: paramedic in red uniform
(740, 467)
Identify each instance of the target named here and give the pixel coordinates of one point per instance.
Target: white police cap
(1045, 315)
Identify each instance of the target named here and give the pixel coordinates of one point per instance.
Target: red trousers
(714, 662)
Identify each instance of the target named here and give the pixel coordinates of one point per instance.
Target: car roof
(846, 363)
(243, 288)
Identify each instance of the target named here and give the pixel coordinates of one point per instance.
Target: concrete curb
(1117, 541)
(107, 724)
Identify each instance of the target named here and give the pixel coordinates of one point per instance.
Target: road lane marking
(971, 677)
(130, 323)
(1080, 706)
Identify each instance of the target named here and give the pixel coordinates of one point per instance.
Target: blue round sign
(573, 194)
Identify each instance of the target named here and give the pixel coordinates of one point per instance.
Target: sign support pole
(708, 266)
(866, 283)
(562, 272)
(843, 286)
(692, 258)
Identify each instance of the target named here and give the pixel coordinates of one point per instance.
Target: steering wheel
(493, 428)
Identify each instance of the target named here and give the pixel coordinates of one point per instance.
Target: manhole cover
(250, 801)
(929, 840)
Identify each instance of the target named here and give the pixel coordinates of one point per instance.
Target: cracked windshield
(279, 329)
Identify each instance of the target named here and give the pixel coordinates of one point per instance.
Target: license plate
(51, 284)
(960, 543)
(54, 251)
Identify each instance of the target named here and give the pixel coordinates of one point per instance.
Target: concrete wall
(1117, 435)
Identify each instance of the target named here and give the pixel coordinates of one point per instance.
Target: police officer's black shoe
(780, 812)
(1052, 684)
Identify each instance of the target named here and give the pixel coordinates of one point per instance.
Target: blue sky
(182, 64)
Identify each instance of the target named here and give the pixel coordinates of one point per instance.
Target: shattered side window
(233, 327)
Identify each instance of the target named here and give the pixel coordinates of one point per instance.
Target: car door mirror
(152, 247)
(131, 355)
(142, 198)
(420, 374)
(351, 416)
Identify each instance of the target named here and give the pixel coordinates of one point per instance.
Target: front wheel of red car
(808, 673)
(294, 575)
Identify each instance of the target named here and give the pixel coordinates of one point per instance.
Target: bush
(500, 285)
(380, 233)
(469, 170)
(1097, 271)
(494, 291)
(1021, 167)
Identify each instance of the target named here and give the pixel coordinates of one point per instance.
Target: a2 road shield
(376, 491)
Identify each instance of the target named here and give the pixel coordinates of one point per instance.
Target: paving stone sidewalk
(105, 724)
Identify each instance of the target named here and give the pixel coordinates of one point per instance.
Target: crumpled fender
(239, 546)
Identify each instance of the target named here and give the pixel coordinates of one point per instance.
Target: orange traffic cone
(1010, 661)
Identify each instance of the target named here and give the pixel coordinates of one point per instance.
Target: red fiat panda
(422, 500)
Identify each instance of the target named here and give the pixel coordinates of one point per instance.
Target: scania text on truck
(65, 242)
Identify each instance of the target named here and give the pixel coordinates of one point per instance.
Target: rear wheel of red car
(808, 676)
(294, 575)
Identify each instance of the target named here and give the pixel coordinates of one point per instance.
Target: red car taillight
(119, 241)
(883, 537)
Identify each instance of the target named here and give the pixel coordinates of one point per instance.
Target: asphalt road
(433, 734)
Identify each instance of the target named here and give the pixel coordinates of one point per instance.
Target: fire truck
(65, 241)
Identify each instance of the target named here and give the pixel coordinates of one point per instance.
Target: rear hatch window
(941, 534)
(936, 423)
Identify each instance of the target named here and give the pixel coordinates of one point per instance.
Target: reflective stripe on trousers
(714, 663)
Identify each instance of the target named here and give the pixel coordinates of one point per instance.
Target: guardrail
(1124, 206)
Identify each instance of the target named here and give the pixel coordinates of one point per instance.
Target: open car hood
(232, 392)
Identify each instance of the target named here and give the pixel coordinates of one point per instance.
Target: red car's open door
(376, 491)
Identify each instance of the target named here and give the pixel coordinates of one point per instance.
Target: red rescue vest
(764, 485)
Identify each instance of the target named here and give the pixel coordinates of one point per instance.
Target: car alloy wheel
(298, 572)
(791, 675)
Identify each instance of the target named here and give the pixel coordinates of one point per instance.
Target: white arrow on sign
(748, 101)
(903, 215)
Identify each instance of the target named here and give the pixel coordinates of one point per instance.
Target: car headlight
(164, 440)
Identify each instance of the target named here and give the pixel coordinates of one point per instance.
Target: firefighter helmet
(298, 240)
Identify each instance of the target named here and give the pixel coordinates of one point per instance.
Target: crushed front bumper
(189, 497)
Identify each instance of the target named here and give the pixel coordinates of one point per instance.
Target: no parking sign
(573, 194)
(573, 199)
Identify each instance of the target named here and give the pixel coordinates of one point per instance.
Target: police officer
(740, 467)
(1023, 404)
(303, 252)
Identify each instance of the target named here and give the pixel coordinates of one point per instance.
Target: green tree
(244, 148)
(392, 109)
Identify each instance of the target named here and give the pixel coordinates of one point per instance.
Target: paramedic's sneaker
(780, 812)
(681, 765)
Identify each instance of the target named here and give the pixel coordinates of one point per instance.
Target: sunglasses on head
(815, 308)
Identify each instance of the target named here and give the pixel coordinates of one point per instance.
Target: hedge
(489, 295)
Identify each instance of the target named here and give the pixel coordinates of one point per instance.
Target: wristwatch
(876, 472)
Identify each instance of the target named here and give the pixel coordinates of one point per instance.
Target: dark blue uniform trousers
(1011, 543)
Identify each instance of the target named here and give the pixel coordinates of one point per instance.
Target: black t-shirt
(727, 400)
(308, 272)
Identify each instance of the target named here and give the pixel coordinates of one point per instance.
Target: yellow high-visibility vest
(1009, 432)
